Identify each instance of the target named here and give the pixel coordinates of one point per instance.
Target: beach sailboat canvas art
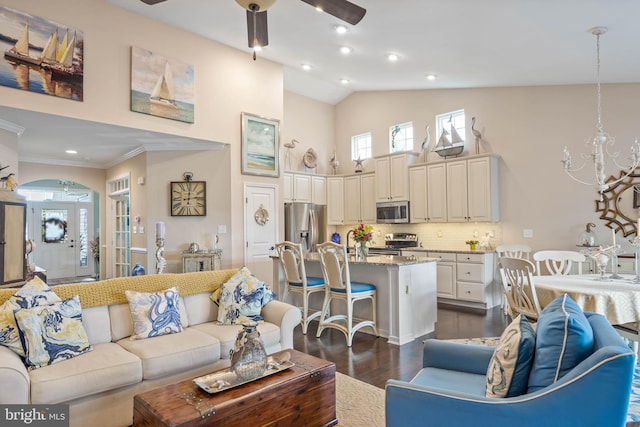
(40, 56)
(161, 86)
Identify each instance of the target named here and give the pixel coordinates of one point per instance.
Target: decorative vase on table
(137, 270)
(248, 357)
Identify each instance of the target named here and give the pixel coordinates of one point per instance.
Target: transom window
(401, 137)
(361, 146)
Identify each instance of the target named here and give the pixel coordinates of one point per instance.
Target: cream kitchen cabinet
(472, 189)
(318, 190)
(437, 192)
(359, 205)
(335, 200)
(297, 187)
(418, 193)
(475, 284)
(392, 176)
(446, 273)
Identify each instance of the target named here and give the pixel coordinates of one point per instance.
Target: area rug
(358, 404)
(633, 415)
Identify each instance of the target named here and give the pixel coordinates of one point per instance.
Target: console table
(201, 261)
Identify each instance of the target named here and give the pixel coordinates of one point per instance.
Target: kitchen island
(406, 287)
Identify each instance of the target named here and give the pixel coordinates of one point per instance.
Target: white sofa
(99, 385)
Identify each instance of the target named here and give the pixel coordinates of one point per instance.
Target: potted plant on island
(362, 234)
(472, 244)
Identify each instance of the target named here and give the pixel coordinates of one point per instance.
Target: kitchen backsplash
(449, 236)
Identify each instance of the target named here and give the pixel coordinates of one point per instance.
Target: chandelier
(601, 144)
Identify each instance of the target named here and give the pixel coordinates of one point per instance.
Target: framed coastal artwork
(161, 86)
(41, 56)
(260, 146)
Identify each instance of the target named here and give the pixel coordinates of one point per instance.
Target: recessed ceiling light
(344, 81)
(319, 9)
(431, 76)
(306, 67)
(346, 50)
(71, 152)
(340, 29)
(392, 57)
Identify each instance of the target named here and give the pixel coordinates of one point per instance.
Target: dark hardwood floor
(373, 361)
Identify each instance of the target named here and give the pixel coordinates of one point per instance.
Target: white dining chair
(559, 262)
(296, 279)
(512, 251)
(518, 286)
(334, 262)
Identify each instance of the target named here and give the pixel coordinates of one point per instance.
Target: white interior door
(261, 231)
(60, 231)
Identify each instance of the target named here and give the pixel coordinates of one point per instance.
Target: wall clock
(188, 198)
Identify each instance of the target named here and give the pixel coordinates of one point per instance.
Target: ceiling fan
(257, 15)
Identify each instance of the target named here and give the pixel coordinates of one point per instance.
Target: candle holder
(614, 262)
(161, 263)
(602, 256)
(636, 244)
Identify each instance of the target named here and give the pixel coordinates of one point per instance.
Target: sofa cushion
(107, 367)
(241, 298)
(122, 325)
(564, 339)
(174, 353)
(96, 322)
(52, 333)
(227, 334)
(35, 292)
(508, 371)
(200, 308)
(446, 379)
(154, 313)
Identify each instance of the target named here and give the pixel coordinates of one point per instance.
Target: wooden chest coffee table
(304, 395)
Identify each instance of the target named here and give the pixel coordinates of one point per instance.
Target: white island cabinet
(406, 300)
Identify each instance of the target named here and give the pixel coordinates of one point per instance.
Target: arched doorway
(63, 220)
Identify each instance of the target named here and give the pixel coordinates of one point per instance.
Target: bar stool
(338, 286)
(295, 276)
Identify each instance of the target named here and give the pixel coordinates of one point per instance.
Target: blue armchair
(450, 389)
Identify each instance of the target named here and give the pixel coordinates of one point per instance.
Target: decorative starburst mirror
(620, 204)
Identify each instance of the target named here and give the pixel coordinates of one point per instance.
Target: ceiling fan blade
(341, 9)
(257, 28)
(152, 2)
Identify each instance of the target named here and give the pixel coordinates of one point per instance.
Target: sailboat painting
(161, 86)
(40, 56)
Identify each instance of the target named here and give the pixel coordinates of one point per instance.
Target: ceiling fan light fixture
(257, 5)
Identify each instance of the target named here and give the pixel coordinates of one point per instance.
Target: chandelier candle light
(601, 143)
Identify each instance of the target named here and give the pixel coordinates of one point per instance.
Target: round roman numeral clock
(188, 198)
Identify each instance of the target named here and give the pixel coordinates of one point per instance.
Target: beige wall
(528, 127)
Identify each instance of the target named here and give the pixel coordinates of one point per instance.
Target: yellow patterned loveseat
(99, 385)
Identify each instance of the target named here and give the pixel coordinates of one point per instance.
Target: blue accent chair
(450, 389)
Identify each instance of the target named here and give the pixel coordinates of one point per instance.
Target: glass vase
(362, 250)
(248, 357)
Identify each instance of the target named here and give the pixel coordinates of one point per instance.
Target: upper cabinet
(335, 200)
(472, 189)
(418, 193)
(304, 188)
(359, 206)
(392, 176)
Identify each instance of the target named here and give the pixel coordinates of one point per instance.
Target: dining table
(616, 299)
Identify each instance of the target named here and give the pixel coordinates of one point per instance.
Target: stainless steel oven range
(394, 243)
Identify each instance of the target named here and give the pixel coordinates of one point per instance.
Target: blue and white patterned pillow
(508, 371)
(155, 313)
(52, 333)
(241, 298)
(34, 293)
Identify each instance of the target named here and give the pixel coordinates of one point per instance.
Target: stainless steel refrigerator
(305, 223)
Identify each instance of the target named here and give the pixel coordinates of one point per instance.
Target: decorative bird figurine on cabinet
(334, 163)
(287, 156)
(476, 134)
(425, 143)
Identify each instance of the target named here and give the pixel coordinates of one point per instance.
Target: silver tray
(226, 379)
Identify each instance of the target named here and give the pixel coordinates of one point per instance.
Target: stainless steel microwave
(392, 212)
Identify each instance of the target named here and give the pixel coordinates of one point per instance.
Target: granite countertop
(449, 250)
(380, 259)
